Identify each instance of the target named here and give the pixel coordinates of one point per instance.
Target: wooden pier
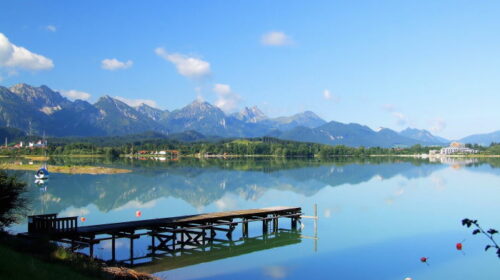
(167, 234)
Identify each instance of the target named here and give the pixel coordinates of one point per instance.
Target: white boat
(41, 182)
(42, 173)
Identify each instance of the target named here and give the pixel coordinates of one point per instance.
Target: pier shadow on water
(215, 251)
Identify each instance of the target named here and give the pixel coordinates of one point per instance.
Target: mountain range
(41, 110)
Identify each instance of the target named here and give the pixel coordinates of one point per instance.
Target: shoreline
(91, 170)
(438, 156)
(223, 156)
(315, 156)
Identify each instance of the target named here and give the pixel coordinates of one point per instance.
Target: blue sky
(424, 64)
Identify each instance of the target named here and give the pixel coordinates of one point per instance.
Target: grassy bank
(39, 158)
(76, 169)
(21, 266)
(22, 258)
(80, 156)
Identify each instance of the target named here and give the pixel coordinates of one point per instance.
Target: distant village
(161, 155)
(454, 149)
(22, 144)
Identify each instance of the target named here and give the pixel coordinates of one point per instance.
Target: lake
(377, 216)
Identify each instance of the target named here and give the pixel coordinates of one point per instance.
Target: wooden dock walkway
(167, 234)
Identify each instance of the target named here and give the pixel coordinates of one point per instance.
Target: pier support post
(294, 222)
(113, 247)
(265, 226)
(212, 233)
(229, 234)
(244, 228)
(174, 240)
(91, 247)
(275, 224)
(153, 236)
(132, 248)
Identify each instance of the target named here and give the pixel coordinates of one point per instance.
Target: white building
(38, 144)
(457, 148)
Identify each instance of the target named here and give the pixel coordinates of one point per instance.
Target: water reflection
(381, 214)
(201, 183)
(220, 250)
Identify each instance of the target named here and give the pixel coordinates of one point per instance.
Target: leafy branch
(489, 234)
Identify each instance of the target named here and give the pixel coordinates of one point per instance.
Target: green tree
(112, 153)
(12, 203)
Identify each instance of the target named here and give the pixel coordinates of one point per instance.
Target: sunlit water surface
(377, 216)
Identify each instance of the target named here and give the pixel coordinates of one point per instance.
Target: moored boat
(42, 173)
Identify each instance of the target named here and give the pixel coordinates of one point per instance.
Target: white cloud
(437, 125)
(401, 118)
(69, 212)
(187, 66)
(439, 182)
(12, 56)
(51, 28)
(226, 202)
(74, 94)
(227, 100)
(137, 102)
(136, 204)
(276, 272)
(199, 94)
(327, 213)
(328, 95)
(115, 64)
(222, 89)
(389, 107)
(275, 38)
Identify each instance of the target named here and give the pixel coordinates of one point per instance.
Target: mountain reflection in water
(201, 183)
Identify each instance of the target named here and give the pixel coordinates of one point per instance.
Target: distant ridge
(482, 139)
(336, 133)
(423, 135)
(39, 110)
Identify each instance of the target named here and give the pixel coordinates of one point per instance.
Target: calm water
(377, 217)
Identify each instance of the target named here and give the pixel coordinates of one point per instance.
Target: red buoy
(423, 259)
(82, 219)
(138, 213)
(459, 246)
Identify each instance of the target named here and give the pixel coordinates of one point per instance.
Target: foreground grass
(15, 265)
(75, 169)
